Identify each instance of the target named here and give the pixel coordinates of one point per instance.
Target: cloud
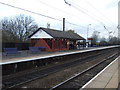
(113, 4)
(107, 7)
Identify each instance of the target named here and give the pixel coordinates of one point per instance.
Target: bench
(42, 48)
(10, 51)
(34, 49)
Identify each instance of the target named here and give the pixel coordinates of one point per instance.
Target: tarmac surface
(26, 55)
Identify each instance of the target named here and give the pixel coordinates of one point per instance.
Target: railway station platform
(107, 78)
(25, 56)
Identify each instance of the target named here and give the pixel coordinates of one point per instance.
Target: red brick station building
(54, 40)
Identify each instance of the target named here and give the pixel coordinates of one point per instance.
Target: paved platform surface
(107, 78)
(26, 56)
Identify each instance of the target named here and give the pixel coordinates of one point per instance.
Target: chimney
(63, 24)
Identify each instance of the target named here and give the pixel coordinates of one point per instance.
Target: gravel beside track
(58, 77)
(78, 80)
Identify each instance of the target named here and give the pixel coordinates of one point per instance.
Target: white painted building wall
(41, 34)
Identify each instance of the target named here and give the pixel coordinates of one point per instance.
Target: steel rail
(44, 76)
(86, 70)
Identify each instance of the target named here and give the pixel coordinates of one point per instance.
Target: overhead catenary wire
(84, 11)
(30, 11)
(106, 28)
(63, 12)
(70, 14)
(110, 22)
(38, 13)
(53, 7)
(115, 30)
(99, 12)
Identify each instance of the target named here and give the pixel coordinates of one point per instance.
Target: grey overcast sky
(80, 13)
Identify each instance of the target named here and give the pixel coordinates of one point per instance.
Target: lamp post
(88, 30)
(87, 35)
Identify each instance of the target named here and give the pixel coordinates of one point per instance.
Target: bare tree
(113, 40)
(73, 31)
(103, 41)
(20, 26)
(95, 37)
(8, 36)
(48, 25)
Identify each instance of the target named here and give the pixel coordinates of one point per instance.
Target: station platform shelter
(54, 40)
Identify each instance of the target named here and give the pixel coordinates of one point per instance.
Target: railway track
(78, 80)
(14, 82)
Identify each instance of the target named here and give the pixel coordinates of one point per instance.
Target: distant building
(54, 40)
(90, 41)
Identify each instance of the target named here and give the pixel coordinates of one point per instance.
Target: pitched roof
(60, 34)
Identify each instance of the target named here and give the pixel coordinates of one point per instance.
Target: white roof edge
(41, 34)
